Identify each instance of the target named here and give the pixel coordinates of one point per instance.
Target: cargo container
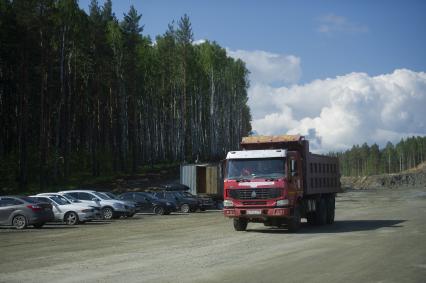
(275, 180)
(203, 180)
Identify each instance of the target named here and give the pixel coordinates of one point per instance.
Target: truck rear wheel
(331, 207)
(294, 222)
(310, 217)
(240, 224)
(321, 213)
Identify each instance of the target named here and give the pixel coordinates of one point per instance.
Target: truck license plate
(254, 212)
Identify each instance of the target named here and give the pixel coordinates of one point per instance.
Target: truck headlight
(228, 203)
(282, 202)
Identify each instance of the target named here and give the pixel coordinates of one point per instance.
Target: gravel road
(379, 236)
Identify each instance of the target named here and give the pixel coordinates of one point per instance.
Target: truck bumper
(257, 212)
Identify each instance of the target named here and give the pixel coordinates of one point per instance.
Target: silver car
(67, 212)
(131, 204)
(110, 208)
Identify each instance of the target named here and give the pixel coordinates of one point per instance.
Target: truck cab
(261, 184)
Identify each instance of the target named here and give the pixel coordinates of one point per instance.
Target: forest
(87, 94)
(370, 160)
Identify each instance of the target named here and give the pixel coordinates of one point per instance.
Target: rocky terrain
(415, 177)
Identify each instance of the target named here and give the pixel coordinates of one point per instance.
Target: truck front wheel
(240, 224)
(294, 222)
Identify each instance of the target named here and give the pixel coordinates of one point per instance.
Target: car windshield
(150, 197)
(59, 200)
(186, 194)
(240, 169)
(110, 195)
(68, 200)
(101, 196)
(71, 198)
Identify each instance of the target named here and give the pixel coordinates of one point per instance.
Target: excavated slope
(415, 177)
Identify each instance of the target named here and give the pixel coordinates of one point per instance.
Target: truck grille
(263, 193)
(262, 202)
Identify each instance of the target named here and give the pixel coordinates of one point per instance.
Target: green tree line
(86, 93)
(369, 160)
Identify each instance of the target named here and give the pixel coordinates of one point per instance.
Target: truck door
(295, 173)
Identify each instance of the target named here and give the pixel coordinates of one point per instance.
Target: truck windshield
(255, 168)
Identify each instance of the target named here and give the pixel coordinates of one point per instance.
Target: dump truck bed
(321, 174)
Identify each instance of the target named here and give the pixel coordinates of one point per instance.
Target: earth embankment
(415, 177)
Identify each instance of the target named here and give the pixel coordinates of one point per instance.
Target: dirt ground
(379, 236)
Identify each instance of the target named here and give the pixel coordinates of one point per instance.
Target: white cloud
(331, 23)
(333, 113)
(266, 67)
(198, 42)
(340, 112)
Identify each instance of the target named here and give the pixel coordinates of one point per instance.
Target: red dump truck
(275, 180)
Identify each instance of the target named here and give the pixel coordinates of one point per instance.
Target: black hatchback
(20, 212)
(149, 203)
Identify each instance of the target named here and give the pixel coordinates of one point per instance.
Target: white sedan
(67, 212)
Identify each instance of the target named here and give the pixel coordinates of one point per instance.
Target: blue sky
(378, 37)
(341, 72)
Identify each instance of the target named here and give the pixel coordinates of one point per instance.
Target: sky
(339, 72)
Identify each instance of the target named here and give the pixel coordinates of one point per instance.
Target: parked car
(110, 208)
(20, 212)
(149, 203)
(94, 205)
(135, 208)
(67, 212)
(183, 203)
(204, 201)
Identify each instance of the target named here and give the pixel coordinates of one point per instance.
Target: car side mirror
(95, 199)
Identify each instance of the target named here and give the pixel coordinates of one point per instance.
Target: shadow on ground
(343, 226)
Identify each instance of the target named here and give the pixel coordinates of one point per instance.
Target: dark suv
(184, 203)
(20, 212)
(204, 200)
(149, 203)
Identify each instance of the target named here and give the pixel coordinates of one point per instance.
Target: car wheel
(107, 213)
(159, 210)
(185, 208)
(19, 222)
(38, 225)
(71, 218)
